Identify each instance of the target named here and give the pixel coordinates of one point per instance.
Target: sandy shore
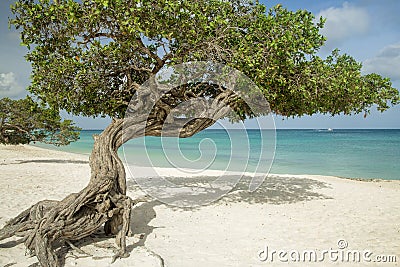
(289, 214)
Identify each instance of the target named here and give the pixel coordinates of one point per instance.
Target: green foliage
(89, 57)
(24, 121)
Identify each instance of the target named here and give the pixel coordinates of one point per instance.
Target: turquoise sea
(345, 153)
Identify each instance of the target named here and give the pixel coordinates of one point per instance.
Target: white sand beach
(287, 214)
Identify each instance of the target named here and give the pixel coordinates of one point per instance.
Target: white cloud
(9, 85)
(344, 22)
(385, 63)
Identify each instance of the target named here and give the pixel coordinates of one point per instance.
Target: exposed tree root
(48, 224)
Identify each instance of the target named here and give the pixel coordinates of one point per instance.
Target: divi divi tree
(90, 57)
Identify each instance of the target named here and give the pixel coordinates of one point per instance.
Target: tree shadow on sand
(140, 220)
(277, 190)
(274, 190)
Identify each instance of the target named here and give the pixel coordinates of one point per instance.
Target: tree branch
(159, 62)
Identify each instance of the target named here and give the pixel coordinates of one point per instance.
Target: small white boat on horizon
(325, 130)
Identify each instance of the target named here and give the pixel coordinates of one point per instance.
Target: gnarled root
(48, 224)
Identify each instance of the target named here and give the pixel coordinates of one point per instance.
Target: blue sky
(366, 29)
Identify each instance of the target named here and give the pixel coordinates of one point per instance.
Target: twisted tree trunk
(103, 202)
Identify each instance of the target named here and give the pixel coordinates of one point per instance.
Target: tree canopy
(89, 57)
(24, 121)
